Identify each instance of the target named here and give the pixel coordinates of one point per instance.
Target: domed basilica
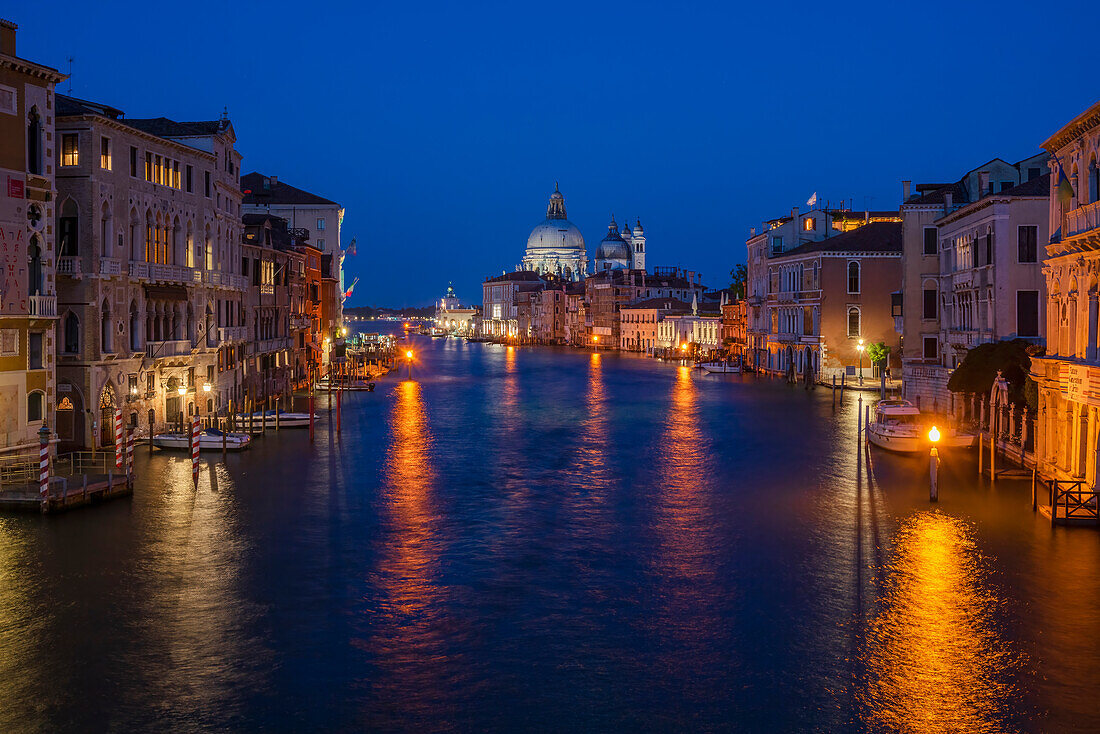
(556, 246)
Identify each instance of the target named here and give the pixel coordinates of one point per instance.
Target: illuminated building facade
(1068, 376)
(149, 257)
(28, 296)
(971, 269)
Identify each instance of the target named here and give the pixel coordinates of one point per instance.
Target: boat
(721, 367)
(286, 419)
(209, 440)
(348, 386)
(899, 426)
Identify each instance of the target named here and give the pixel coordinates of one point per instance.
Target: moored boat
(286, 419)
(721, 367)
(209, 440)
(899, 426)
(351, 386)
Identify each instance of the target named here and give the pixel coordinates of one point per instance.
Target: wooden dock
(65, 493)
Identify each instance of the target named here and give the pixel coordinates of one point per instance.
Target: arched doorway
(107, 417)
(69, 418)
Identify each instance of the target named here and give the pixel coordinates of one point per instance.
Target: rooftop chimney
(983, 183)
(905, 185)
(7, 37)
(274, 180)
(794, 213)
(948, 200)
(752, 231)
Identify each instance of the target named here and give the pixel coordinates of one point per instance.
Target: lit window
(809, 224)
(105, 153)
(70, 156)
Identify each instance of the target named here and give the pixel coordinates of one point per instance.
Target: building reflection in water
(594, 431)
(405, 620)
(934, 659)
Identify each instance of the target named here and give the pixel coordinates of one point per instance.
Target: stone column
(1090, 336)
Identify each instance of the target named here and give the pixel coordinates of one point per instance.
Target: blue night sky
(442, 128)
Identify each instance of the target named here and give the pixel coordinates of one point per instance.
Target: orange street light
(933, 466)
(409, 354)
(934, 434)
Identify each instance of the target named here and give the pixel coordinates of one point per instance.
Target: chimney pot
(905, 188)
(948, 200)
(983, 183)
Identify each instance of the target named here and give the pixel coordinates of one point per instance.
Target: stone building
(28, 297)
(1068, 376)
(640, 321)
(971, 269)
(733, 327)
(824, 296)
(320, 220)
(776, 237)
(273, 261)
(148, 221)
(499, 302)
(556, 246)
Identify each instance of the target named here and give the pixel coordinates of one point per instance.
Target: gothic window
(72, 334)
(853, 277)
(69, 229)
(35, 282)
(105, 328)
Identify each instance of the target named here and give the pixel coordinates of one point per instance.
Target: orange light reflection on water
(934, 660)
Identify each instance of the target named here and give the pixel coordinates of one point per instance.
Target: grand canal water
(553, 540)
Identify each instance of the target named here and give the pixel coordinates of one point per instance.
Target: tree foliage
(738, 275)
(979, 369)
(878, 353)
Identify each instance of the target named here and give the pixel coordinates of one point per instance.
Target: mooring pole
(339, 392)
(859, 419)
(933, 471)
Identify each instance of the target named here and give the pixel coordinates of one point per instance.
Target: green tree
(738, 276)
(878, 353)
(1011, 357)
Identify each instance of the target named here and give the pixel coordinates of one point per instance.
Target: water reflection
(406, 615)
(934, 659)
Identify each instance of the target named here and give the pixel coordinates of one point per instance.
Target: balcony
(69, 266)
(232, 334)
(164, 273)
(1084, 222)
(267, 289)
(226, 280)
(42, 306)
(300, 322)
(109, 266)
(168, 348)
(272, 345)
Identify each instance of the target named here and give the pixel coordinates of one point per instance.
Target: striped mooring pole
(44, 466)
(130, 454)
(120, 446)
(195, 450)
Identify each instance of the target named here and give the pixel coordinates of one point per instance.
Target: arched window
(106, 234)
(190, 262)
(853, 322)
(72, 334)
(68, 229)
(135, 328)
(853, 277)
(176, 255)
(150, 238)
(36, 406)
(1094, 181)
(35, 281)
(105, 327)
(34, 142)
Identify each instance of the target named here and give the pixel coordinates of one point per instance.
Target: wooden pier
(76, 479)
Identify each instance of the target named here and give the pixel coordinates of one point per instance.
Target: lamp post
(933, 466)
(860, 348)
(409, 361)
(596, 342)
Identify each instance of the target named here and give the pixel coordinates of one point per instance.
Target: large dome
(556, 234)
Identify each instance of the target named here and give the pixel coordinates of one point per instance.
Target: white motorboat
(209, 440)
(349, 386)
(721, 367)
(286, 419)
(899, 426)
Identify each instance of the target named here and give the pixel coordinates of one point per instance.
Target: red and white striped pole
(119, 445)
(130, 454)
(44, 466)
(195, 450)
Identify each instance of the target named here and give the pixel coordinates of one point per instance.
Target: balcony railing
(272, 345)
(109, 266)
(68, 266)
(1083, 219)
(42, 306)
(168, 348)
(300, 322)
(232, 334)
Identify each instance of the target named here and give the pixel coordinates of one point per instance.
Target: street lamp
(409, 362)
(596, 341)
(933, 466)
(860, 348)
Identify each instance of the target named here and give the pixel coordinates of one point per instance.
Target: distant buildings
(453, 317)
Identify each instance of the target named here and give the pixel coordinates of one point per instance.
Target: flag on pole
(347, 295)
(1064, 191)
(351, 247)
(812, 200)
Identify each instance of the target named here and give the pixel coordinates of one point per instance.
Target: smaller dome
(638, 227)
(613, 246)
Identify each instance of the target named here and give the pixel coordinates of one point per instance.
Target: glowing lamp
(934, 434)
(207, 387)
(596, 338)
(409, 355)
(182, 390)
